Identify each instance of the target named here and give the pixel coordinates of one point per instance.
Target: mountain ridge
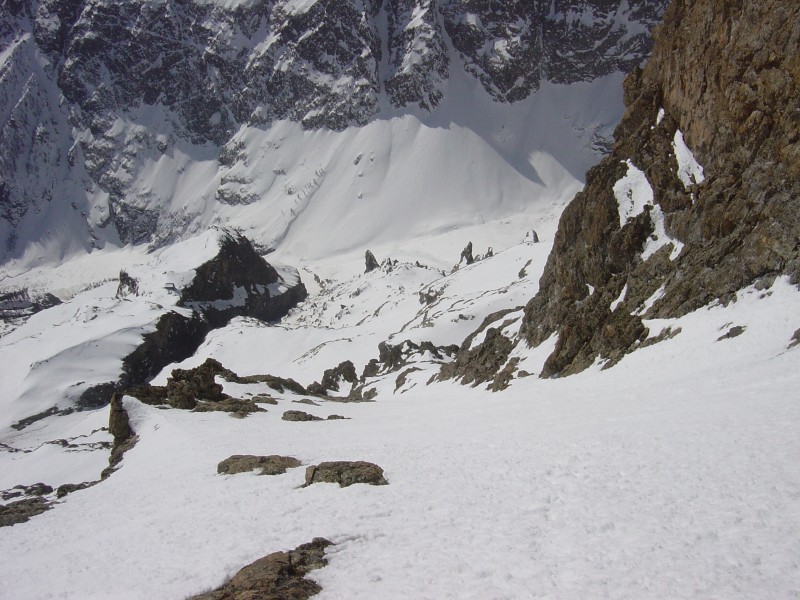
(113, 86)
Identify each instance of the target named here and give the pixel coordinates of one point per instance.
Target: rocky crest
(710, 145)
(236, 282)
(239, 282)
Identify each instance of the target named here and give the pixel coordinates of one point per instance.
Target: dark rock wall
(177, 336)
(237, 283)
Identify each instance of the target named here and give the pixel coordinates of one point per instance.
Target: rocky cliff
(727, 76)
(92, 90)
(700, 196)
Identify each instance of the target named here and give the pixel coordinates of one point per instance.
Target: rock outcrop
(333, 379)
(277, 576)
(370, 262)
(299, 415)
(22, 511)
(20, 304)
(345, 473)
(236, 282)
(125, 437)
(267, 465)
(700, 196)
(239, 282)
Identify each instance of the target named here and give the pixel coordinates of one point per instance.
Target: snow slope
(672, 474)
(398, 179)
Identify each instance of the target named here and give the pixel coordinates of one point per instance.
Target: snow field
(671, 475)
(623, 483)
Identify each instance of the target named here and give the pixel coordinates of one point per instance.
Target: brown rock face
(268, 465)
(727, 74)
(277, 576)
(345, 473)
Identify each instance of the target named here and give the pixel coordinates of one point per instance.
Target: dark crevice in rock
(27, 421)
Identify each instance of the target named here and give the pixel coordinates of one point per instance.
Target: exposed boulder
(268, 465)
(299, 415)
(235, 407)
(345, 473)
(308, 401)
(264, 399)
(278, 576)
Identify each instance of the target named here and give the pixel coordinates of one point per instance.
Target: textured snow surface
(671, 475)
(689, 170)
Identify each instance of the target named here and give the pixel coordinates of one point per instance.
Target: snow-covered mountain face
(144, 122)
(643, 341)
